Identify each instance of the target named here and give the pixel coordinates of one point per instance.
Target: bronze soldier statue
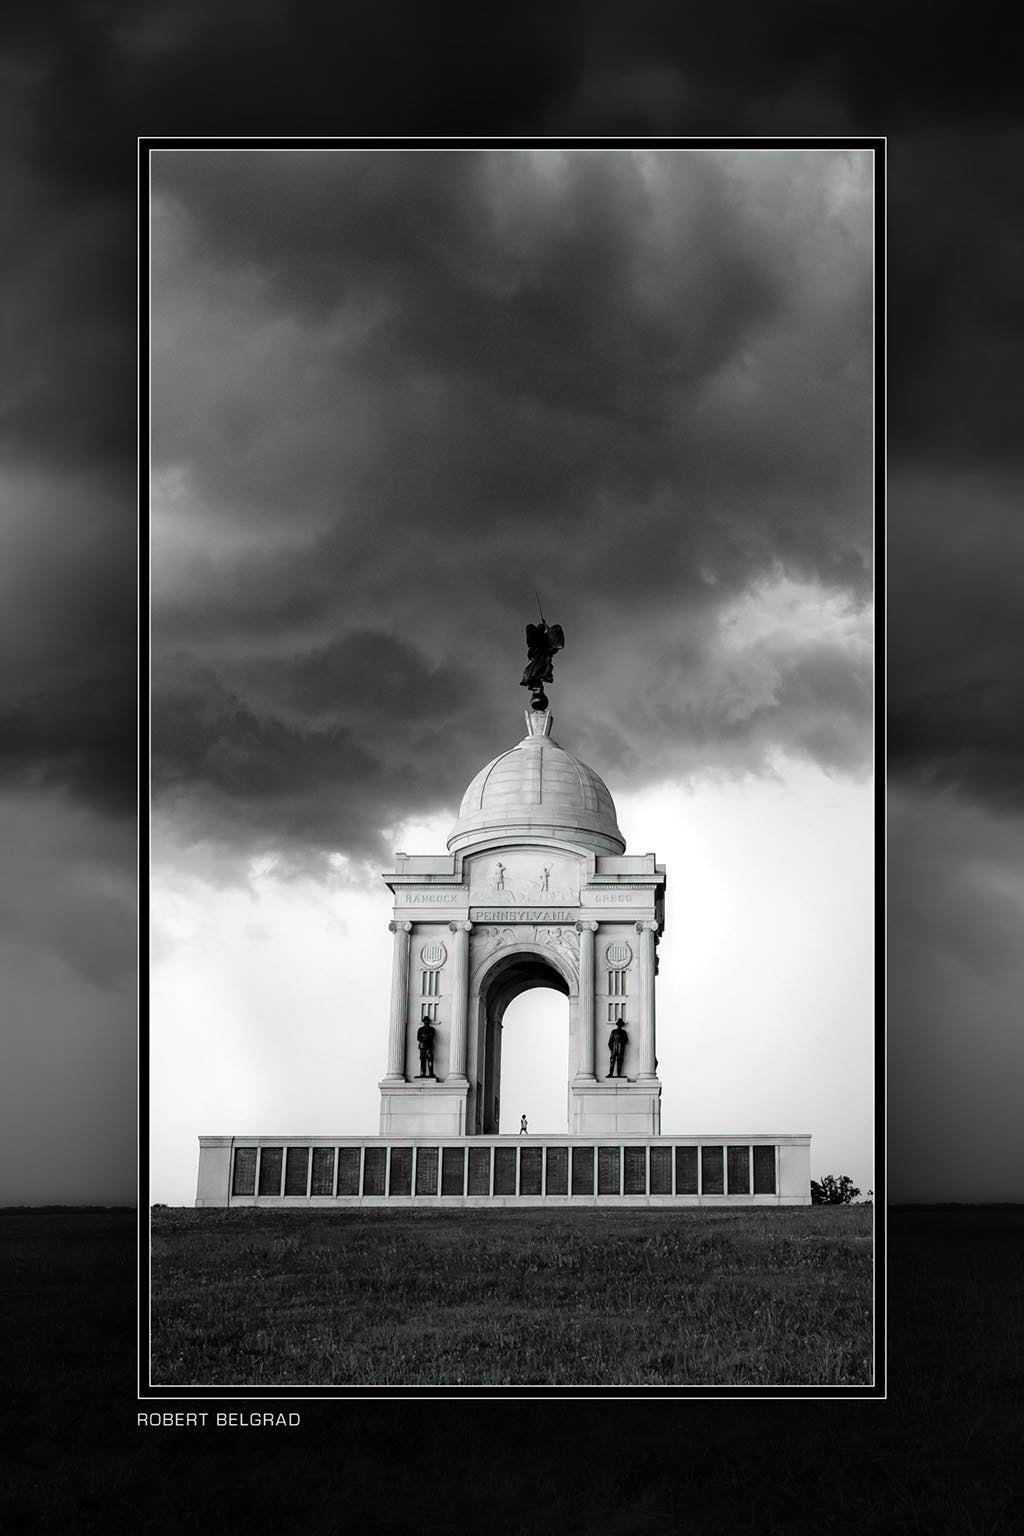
(425, 1040)
(616, 1049)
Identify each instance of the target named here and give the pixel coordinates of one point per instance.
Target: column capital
(646, 926)
(586, 925)
(461, 927)
(394, 927)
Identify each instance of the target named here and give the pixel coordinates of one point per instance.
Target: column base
(615, 1107)
(424, 1107)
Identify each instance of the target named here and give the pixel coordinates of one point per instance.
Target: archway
(520, 969)
(535, 1063)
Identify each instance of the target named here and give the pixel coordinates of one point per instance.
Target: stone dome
(536, 788)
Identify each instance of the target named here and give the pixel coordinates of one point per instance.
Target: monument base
(617, 1106)
(424, 1107)
(450, 1170)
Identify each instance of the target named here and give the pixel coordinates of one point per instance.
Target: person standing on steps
(522, 1126)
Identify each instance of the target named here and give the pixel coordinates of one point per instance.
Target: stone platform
(394, 1172)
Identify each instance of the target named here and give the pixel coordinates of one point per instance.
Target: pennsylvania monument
(536, 889)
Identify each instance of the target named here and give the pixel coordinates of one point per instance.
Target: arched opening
(535, 1063)
(525, 969)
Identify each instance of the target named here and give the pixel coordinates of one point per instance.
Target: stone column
(645, 1067)
(585, 1066)
(399, 1002)
(460, 1002)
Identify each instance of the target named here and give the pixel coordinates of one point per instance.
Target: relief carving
(519, 880)
(484, 940)
(563, 939)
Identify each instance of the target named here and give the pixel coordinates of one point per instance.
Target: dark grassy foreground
(512, 1297)
(941, 1457)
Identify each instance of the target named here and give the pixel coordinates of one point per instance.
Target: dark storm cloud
(955, 980)
(957, 309)
(81, 79)
(956, 702)
(68, 889)
(394, 393)
(67, 666)
(68, 627)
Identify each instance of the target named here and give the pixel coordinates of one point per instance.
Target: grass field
(506, 1298)
(941, 1456)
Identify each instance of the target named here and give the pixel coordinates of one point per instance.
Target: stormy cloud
(396, 393)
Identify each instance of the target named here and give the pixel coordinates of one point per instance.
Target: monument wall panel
(348, 1171)
(794, 1170)
(426, 1170)
(479, 1170)
(686, 1170)
(739, 1170)
(609, 1161)
(271, 1161)
(296, 1170)
(453, 1170)
(400, 1181)
(583, 1170)
(504, 1170)
(556, 1173)
(322, 1182)
(635, 1172)
(764, 1170)
(374, 1165)
(244, 1179)
(531, 1166)
(661, 1170)
(711, 1171)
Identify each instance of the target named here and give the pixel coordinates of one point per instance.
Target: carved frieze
(517, 878)
(487, 938)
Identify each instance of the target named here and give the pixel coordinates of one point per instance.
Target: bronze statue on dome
(543, 642)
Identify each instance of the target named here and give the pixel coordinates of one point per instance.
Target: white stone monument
(535, 890)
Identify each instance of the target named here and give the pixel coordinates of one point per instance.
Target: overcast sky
(747, 513)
